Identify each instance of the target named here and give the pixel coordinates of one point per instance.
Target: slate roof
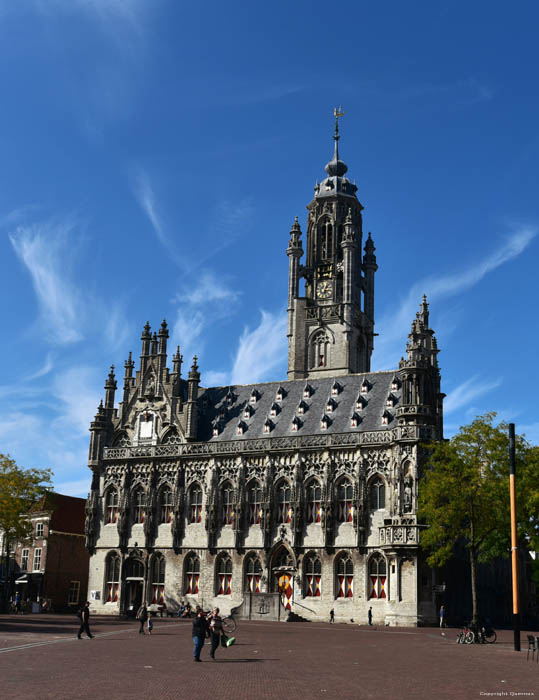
(215, 409)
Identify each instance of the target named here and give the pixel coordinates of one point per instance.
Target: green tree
(19, 489)
(464, 495)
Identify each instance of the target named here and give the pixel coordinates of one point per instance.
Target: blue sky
(153, 155)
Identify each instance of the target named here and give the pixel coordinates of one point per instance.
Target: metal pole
(514, 550)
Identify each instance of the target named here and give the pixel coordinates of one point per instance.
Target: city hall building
(306, 487)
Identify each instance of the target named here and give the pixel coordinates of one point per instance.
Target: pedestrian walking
(142, 616)
(150, 624)
(17, 602)
(442, 616)
(369, 615)
(85, 621)
(199, 632)
(332, 615)
(216, 630)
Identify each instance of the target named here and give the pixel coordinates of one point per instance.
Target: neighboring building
(53, 565)
(306, 487)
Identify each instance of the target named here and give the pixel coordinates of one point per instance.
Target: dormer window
(391, 401)
(386, 418)
(281, 393)
(302, 407)
(268, 426)
(336, 389)
(395, 384)
(274, 410)
(365, 387)
(325, 422)
(216, 430)
(248, 411)
(230, 398)
(355, 420)
(331, 405)
(307, 391)
(360, 403)
(222, 414)
(296, 424)
(254, 396)
(242, 427)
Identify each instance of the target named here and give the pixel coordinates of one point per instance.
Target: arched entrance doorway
(134, 585)
(283, 570)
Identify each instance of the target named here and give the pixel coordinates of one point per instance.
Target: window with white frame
(192, 574)
(377, 577)
(74, 593)
(112, 575)
(253, 574)
(313, 576)
(158, 580)
(227, 503)
(39, 529)
(345, 577)
(224, 575)
(111, 507)
(255, 503)
(195, 504)
(344, 502)
(283, 500)
(37, 559)
(314, 502)
(166, 506)
(146, 426)
(24, 559)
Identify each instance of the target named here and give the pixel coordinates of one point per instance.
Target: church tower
(331, 328)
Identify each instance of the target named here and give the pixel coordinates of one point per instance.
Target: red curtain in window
(254, 583)
(196, 514)
(224, 584)
(112, 592)
(158, 594)
(313, 585)
(192, 584)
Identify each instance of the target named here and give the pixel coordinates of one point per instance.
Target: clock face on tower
(323, 290)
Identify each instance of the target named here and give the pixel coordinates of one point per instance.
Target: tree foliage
(464, 494)
(19, 489)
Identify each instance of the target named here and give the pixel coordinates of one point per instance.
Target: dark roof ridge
(336, 377)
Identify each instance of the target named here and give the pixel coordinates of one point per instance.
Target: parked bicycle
(482, 634)
(466, 636)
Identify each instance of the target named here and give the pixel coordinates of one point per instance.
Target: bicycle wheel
(460, 637)
(490, 637)
(469, 637)
(229, 625)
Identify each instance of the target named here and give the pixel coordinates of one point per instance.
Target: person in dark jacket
(199, 632)
(85, 621)
(216, 630)
(142, 616)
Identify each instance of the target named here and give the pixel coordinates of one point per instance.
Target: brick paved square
(41, 658)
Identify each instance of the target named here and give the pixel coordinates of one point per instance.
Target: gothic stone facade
(305, 487)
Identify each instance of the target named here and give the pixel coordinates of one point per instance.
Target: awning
(21, 580)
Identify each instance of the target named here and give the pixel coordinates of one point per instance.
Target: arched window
(253, 574)
(377, 492)
(165, 504)
(313, 576)
(377, 576)
(158, 580)
(314, 496)
(345, 576)
(192, 574)
(139, 506)
(227, 503)
(255, 503)
(195, 504)
(344, 502)
(283, 500)
(224, 575)
(112, 576)
(325, 240)
(111, 508)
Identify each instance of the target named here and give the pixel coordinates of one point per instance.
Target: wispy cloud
(78, 391)
(207, 301)
(47, 251)
(468, 391)
(260, 350)
(394, 327)
(42, 371)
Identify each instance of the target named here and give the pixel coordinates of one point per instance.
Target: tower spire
(336, 166)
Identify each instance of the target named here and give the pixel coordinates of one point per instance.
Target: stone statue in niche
(408, 485)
